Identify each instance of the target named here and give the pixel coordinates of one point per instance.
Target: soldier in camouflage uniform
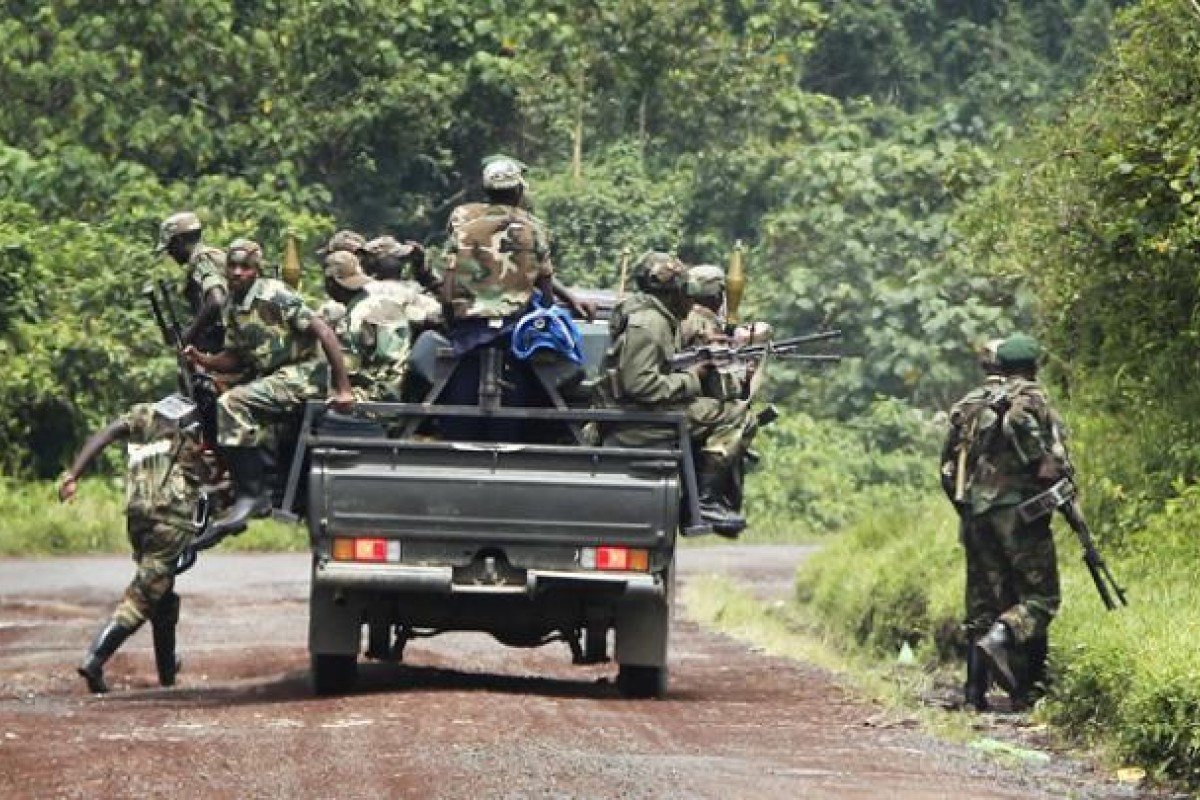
(1014, 450)
(162, 512)
(373, 332)
(272, 335)
(644, 335)
(205, 287)
(384, 259)
(704, 323)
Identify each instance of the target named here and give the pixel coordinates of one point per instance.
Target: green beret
(1020, 348)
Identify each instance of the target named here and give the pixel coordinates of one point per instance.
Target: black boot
(107, 640)
(250, 501)
(997, 648)
(975, 689)
(714, 509)
(162, 625)
(1033, 683)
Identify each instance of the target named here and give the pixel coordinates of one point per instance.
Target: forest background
(923, 174)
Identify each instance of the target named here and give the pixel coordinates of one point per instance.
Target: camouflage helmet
(705, 281)
(345, 269)
(657, 271)
(175, 225)
(345, 240)
(1017, 350)
(244, 252)
(385, 246)
(503, 173)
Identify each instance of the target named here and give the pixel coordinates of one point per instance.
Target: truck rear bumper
(403, 578)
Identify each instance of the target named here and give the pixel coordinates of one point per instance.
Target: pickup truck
(555, 540)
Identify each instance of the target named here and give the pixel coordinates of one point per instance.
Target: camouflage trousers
(1012, 574)
(157, 546)
(244, 411)
(717, 428)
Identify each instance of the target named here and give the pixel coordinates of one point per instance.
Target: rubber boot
(997, 648)
(162, 625)
(107, 640)
(250, 500)
(975, 689)
(1033, 683)
(714, 509)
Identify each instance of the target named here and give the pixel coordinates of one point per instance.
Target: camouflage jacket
(269, 328)
(497, 254)
(373, 334)
(419, 306)
(644, 335)
(163, 477)
(203, 271)
(1008, 429)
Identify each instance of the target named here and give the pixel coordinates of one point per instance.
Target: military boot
(997, 648)
(250, 499)
(1033, 679)
(714, 508)
(162, 625)
(975, 689)
(107, 640)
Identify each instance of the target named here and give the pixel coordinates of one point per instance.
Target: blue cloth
(547, 328)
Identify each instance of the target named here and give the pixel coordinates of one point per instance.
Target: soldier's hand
(341, 402)
(701, 370)
(193, 355)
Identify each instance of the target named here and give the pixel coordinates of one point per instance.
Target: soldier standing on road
(205, 287)
(163, 510)
(271, 334)
(1013, 450)
(644, 331)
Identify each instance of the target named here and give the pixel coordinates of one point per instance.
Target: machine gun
(1064, 497)
(724, 355)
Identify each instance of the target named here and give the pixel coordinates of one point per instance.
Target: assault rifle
(720, 355)
(172, 333)
(1064, 497)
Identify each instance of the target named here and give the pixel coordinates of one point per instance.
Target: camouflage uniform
(701, 326)
(497, 254)
(373, 332)
(645, 334)
(270, 332)
(205, 270)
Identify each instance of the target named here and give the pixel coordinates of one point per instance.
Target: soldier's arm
(641, 370)
(342, 398)
(208, 314)
(1028, 427)
(119, 429)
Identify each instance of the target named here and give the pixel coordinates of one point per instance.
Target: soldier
(271, 334)
(373, 332)
(163, 510)
(704, 323)
(204, 286)
(644, 331)
(384, 259)
(1013, 449)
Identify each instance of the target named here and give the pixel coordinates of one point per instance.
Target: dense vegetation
(923, 175)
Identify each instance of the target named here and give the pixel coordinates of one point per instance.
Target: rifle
(1064, 497)
(723, 355)
(168, 326)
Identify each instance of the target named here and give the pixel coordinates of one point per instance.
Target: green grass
(34, 523)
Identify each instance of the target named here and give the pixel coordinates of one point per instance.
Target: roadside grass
(34, 523)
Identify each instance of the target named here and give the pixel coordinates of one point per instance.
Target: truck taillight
(366, 549)
(625, 559)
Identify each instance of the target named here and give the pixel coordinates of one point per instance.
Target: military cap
(483, 162)
(385, 246)
(245, 252)
(705, 280)
(344, 240)
(174, 225)
(503, 173)
(345, 269)
(1020, 348)
(657, 271)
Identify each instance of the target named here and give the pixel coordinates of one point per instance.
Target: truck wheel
(639, 682)
(333, 673)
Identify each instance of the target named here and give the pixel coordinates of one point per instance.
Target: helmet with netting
(176, 225)
(503, 173)
(244, 252)
(705, 281)
(659, 272)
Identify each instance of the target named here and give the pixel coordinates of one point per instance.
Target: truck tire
(333, 673)
(638, 682)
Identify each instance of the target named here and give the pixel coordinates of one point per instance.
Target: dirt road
(463, 717)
